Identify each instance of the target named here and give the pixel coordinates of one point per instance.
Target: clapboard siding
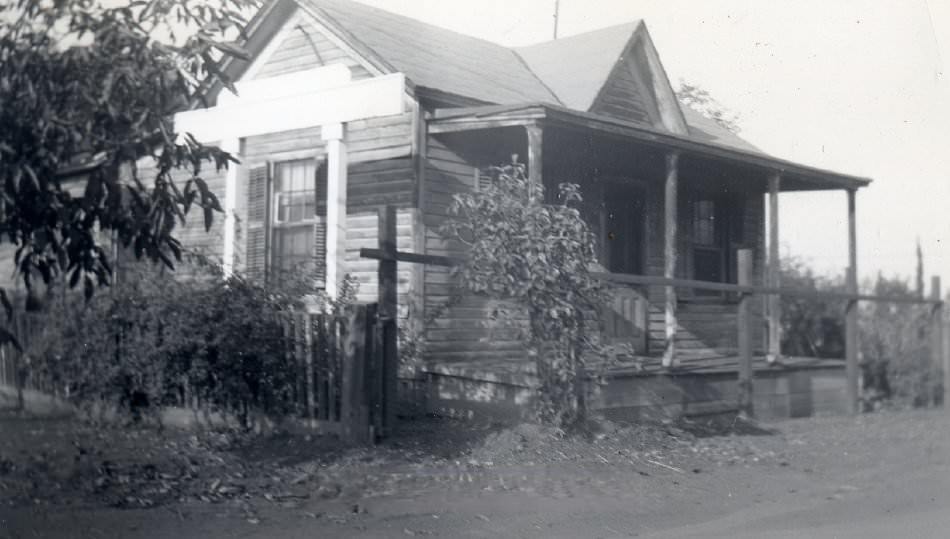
(363, 232)
(464, 331)
(306, 46)
(624, 98)
(192, 234)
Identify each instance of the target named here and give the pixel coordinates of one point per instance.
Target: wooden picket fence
(15, 369)
(341, 372)
(339, 368)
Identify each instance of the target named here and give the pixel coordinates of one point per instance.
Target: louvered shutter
(483, 179)
(320, 226)
(258, 221)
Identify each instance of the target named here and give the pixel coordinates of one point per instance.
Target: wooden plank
(401, 256)
(375, 382)
(300, 363)
(334, 390)
(745, 329)
(354, 353)
(851, 322)
(319, 358)
(388, 306)
(309, 345)
(669, 254)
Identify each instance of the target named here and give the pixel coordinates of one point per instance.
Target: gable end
(303, 44)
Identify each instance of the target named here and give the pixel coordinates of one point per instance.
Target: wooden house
(345, 108)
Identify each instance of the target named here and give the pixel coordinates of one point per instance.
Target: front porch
(660, 205)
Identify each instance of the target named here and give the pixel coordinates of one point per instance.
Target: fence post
(3, 365)
(937, 352)
(309, 343)
(352, 414)
(19, 369)
(744, 319)
(851, 356)
(388, 313)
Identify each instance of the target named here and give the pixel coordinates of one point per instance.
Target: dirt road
(881, 475)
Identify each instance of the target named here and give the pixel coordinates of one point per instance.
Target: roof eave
(462, 119)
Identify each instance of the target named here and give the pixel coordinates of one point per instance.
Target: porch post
(851, 320)
(669, 255)
(535, 155)
(774, 276)
(233, 147)
(333, 134)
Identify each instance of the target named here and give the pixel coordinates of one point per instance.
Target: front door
(623, 228)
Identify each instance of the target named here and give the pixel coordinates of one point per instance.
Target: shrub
(894, 338)
(895, 349)
(537, 256)
(811, 327)
(160, 340)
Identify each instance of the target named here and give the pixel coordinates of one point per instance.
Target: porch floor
(519, 373)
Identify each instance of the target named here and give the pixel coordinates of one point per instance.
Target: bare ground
(872, 476)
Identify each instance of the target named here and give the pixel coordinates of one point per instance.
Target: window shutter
(258, 221)
(483, 179)
(320, 226)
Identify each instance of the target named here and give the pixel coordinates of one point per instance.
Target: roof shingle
(437, 58)
(575, 68)
(568, 71)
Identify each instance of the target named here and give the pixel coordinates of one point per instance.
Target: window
(299, 210)
(704, 223)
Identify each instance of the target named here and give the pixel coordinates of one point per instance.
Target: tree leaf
(7, 304)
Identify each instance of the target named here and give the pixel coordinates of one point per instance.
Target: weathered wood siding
(626, 97)
(193, 235)
(305, 45)
(363, 231)
(380, 172)
(463, 331)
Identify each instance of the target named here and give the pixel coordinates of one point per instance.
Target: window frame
(276, 226)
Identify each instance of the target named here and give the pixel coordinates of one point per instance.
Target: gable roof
(575, 68)
(568, 72)
(436, 58)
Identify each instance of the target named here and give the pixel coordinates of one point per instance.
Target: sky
(856, 86)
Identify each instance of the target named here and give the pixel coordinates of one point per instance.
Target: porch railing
(744, 290)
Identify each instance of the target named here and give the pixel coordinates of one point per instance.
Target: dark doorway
(624, 228)
(623, 221)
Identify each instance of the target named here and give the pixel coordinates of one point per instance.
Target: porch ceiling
(795, 177)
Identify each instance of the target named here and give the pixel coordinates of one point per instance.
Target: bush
(811, 327)
(895, 349)
(538, 257)
(894, 338)
(154, 340)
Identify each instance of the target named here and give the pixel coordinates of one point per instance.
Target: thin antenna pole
(557, 5)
